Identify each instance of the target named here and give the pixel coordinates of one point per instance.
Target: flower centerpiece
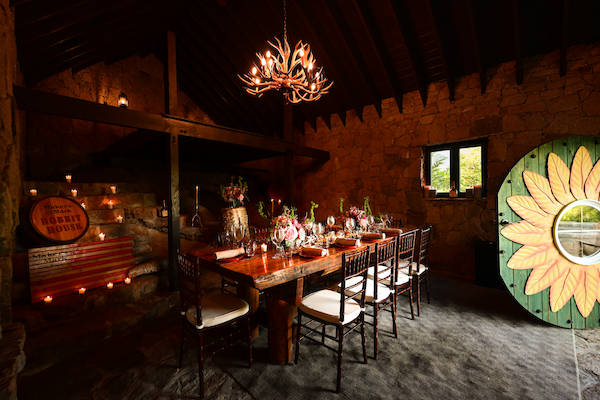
(288, 220)
(235, 193)
(309, 220)
(359, 216)
(235, 215)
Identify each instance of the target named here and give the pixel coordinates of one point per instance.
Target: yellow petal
(582, 165)
(592, 185)
(562, 289)
(544, 276)
(525, 233)
(559, 173)
(533, 256)
(587, 290)
(528, 209)
(539, 187)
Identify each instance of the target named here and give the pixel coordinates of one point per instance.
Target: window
(463, 163)
(576, 232)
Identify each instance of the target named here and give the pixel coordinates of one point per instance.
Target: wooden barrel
(234, 217)
(58, 219)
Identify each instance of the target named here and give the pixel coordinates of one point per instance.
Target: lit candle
(33, 191)
(83, 205)
(102, 236)
(477, 191)
(110, 204)
(82, 290)
(263, 247)
(128, 280)
(279, 201)
(48, 299)
(68, 178)
(120, 219)
(113, 189)
(109, 285)
(272, 207)
(74, 192)
(197, 187)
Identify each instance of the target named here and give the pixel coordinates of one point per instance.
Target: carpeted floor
(470, 343)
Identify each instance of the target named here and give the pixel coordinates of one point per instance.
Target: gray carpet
(471, 342)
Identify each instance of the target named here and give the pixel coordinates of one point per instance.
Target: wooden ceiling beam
(517, 35)
(332, 8)
(410, 44)
(53, 104)
(564, 37)
(448, 70)
(476, 46)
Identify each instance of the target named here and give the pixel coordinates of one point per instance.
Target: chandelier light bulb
(257, 81)
(313, 86)
(301, 52)
(254, 70)
(263, 62)
(310, 66)
(270, 62)
(268, 54)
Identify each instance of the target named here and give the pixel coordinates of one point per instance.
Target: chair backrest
(385, 260)
(189, 285)
(407, 243)
(423, 256)
(354, 264)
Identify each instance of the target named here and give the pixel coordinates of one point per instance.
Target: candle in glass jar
(82, 290)
(68, 178)
(128, 280)
(48, 299)
(33, 191)
(109, 285)
(102, 235)
(83, 205)
(113, 189)
(74, 192)
(263, 247)
(120, 219)
(110, 204)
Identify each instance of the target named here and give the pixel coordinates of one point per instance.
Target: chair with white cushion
(404, 279)
(380, 288)
(202, 315)
(340, 309)
(418, 268)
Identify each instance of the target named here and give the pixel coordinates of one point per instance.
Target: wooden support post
(174, 209)
(288, 134)
(171, 75)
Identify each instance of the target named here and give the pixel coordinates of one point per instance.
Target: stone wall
(56, 145)
(381, 157)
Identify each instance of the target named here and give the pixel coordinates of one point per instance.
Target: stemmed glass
(238, 233)
(318, 229)
(370, 222)
(350, 224)
(277, 238)
(385, 219)
(330, 222)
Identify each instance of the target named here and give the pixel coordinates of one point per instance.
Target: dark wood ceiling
(371, 49)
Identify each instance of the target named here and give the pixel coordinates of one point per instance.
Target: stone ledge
(12, 359)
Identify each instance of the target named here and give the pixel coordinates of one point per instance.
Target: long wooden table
(282, 280)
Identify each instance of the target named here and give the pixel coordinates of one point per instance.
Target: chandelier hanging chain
(292, 73)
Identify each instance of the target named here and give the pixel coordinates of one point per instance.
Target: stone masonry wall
(56, 145)
(381, 157)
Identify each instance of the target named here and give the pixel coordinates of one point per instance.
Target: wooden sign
(61, 270)
(59, 219)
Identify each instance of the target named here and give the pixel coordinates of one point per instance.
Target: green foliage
(341, 205)
(582, 214)
(470, 167)
(440, 177)
(367, 207)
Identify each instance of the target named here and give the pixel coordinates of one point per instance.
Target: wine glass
(330, 222)
(278, 236)
(370, 222)
(238, 233)
(350, 224)
(385, 219)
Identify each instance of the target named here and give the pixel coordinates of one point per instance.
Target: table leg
(250, 294)
(280, 324)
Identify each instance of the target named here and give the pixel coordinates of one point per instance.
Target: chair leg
(182, 348)
(394, 311)
(298, 337)
(340, 349)
(410, 295)
(418, 296)
(375, 331)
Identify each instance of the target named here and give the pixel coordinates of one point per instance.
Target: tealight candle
(82, 290)
(48, 299)
(74, 192)
(110, 204)
(33, 191)
(113, 189)
(102, 235)
(128, 280)
(83, 205)
(68, 178)
(263, 247)
(120, 219)
(109, 285)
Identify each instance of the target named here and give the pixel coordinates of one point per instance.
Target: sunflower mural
(559, 233)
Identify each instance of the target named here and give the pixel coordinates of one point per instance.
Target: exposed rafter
(476, 46)
(448, 71)
(517, 33)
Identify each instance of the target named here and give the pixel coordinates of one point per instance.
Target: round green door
(549, 232)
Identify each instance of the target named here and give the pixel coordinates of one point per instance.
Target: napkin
(392, 231)
(347, 242)
(314, 251)
(373, 236)
(221, 255)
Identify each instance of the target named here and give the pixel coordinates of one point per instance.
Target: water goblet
(350, 224)
(238, 233)
(370, 222)
(330, 221)
(278, 236)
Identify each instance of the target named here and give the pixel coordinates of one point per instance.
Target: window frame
(454, 148)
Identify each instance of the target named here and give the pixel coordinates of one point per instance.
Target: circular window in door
(577, 232)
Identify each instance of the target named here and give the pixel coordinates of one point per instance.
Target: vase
(234, 217)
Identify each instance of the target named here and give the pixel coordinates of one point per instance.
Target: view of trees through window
(469, 168)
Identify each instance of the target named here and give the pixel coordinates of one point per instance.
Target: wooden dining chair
(202, 316)
(407, 243)
(380, 288)
(336, 308)
(420, 266)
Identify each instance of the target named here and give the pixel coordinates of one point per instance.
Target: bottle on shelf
(453, 192)
(164, 211)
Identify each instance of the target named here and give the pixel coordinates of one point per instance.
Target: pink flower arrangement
(235, 193)
(289, 221)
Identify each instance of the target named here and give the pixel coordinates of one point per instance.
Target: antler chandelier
(292, 73)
